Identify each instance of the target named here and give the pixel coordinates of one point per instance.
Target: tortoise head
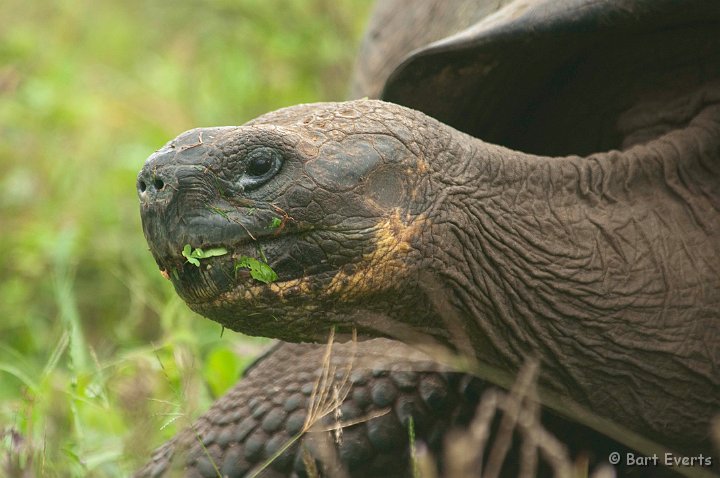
(262, 226)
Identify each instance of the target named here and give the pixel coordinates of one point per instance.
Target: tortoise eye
(261, 164)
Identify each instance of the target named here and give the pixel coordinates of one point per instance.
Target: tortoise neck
(578, 228)
(542, 254)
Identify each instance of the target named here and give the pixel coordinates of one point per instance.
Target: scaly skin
(388, 383)
(605, 266)
(400, 226)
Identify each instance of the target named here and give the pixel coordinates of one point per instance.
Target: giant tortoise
(541, 184)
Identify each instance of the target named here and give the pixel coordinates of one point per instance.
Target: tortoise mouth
(217, 268)
(271, 261)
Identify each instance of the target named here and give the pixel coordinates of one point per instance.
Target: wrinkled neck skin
(605, 267)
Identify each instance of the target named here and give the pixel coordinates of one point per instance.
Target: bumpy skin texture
(605, 266)
(388, 383)
(433, 250)
(269, 406)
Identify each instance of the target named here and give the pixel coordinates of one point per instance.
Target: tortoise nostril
(152, 184)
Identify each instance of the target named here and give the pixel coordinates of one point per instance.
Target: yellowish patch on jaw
(297, 286)
(422, 167)
(384, 265)
(280, 289)
(254, 296)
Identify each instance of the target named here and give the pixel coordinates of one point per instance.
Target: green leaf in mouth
(275, 223)
(193, 256)
(259, 270)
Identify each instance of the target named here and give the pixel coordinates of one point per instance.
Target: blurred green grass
(99, 361)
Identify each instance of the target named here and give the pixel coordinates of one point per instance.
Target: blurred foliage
(99, 361)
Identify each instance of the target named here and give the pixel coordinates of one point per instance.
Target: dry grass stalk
(520, 409)
(326, 399)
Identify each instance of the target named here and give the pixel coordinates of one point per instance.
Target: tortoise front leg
(379, 388)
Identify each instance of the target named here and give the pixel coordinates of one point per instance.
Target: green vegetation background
(99, 361)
